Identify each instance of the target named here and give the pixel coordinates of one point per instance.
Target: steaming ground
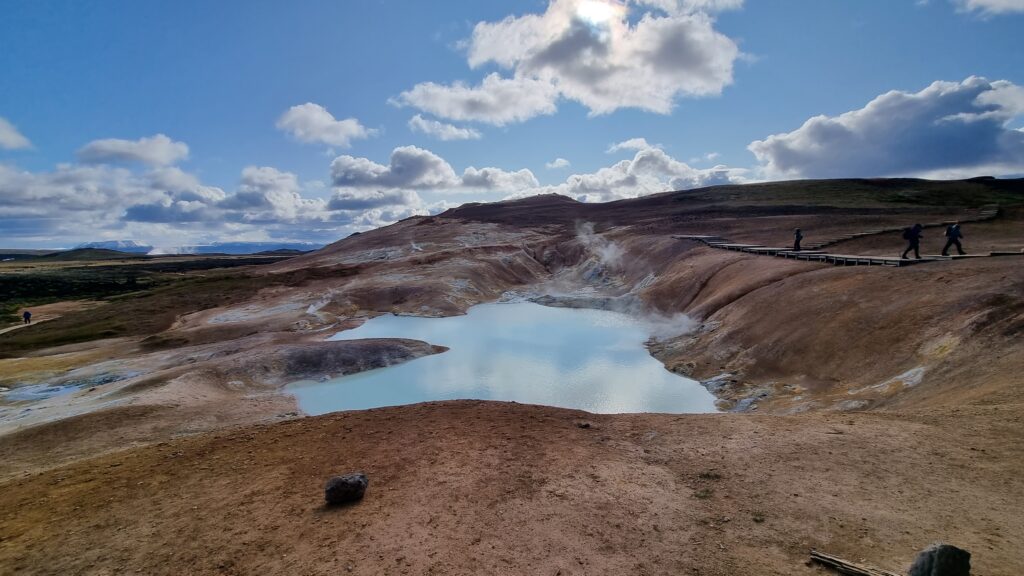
(881, 406)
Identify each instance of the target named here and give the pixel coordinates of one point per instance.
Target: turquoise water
(592, 360)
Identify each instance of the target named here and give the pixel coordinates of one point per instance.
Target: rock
(942, 560)
(583, 425)
(346, 489)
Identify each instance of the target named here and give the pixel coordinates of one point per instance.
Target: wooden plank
(848, 568)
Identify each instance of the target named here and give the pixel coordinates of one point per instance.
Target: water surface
(592, 360)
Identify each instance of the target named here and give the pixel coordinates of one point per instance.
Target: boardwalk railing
(814, 254)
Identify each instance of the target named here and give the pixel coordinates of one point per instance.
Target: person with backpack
(953, 236)
(913, 237)
(797, 237)
(27, 317)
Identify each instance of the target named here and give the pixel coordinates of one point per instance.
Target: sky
(189, 122)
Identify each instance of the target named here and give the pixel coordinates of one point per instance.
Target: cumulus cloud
(498, 179)
(267, 194)
(709, 157)
(557, 163)
(498, 101)
(991, 7)
(591, 51)
(10, 138)
(413, 168)
(691, 6)
(631, 144)
(949, 129)
(441, 130)
(409, 167)
(353, 199)
(312, 123)
(651, 170)
(158, 150)
(68, 188)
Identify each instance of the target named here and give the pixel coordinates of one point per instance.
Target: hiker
(953, 236)
(797, 237)
(913, 237)
(27, 317)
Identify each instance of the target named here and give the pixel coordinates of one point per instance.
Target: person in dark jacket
(913, 237)
(27, 317)
(797, 237)
(953, 236)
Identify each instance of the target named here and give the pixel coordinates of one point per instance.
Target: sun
(598, 12)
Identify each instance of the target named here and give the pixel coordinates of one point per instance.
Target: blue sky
(189, 122)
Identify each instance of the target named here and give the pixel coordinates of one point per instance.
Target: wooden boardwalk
(813, 253)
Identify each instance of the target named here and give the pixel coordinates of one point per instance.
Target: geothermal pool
(592, 360)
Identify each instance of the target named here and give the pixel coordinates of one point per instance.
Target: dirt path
(53, 311)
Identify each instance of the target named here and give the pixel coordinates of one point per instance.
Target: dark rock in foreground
(346, 489)
(942, 560)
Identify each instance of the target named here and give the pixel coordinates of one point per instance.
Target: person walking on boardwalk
(953, 236)
(913, 237)
(27, 317)
(797, 237)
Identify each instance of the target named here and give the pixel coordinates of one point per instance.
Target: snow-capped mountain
(120, 245)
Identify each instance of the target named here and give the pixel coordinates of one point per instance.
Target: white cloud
(498, 101)
(268, 194)
(412, 168)
(354, 199)
(592, 51)
(312, 123)
(991, 6)
(158, 150)
(631, 144)
(650, 171)
(557, 163)
(691, 6)
(442, 131)
(498, 179)
(10, 138)
(69, 188)
(613, 63)
(709, 157)
(949, 129)
(409, 167)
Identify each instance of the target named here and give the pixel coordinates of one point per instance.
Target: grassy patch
(153, 309)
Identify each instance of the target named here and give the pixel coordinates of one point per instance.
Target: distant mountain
(280, 252)
(133, 247)
(88, 254)
(120, 245)
(248, 247)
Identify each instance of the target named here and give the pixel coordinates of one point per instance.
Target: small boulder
(942, 560)
(346, 489)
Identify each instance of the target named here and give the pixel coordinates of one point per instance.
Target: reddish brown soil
(886, 406)
(494, 488)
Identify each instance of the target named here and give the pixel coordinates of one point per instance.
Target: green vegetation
(143, 300)
(41, 281)
(87, 254)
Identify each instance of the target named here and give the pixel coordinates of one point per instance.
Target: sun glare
(597, 12)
